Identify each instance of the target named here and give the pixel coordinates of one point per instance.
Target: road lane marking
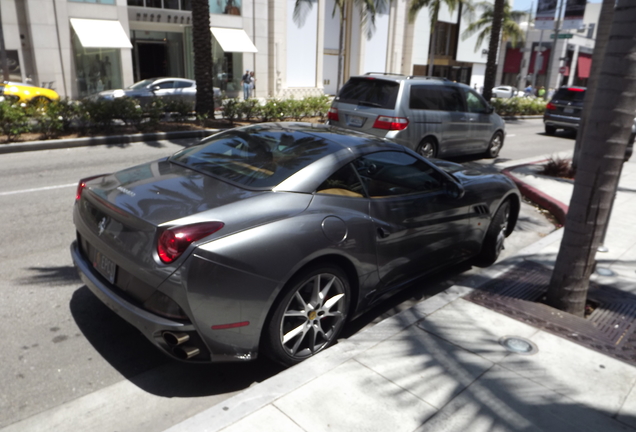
(511, 135)
(37, 189)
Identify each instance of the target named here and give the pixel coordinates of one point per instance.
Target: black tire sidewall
(489, 151)
(272, 346)
(423, 143)
(489, 253)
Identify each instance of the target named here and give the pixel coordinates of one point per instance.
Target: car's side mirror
(155, 88)
(490, 109)
(454, 190)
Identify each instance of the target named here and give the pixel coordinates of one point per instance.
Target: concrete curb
(103, 140)
(554, 206)
(267, 392)
(523, 117)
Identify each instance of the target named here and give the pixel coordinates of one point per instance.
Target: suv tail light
(550, 106)
(391, 123)
(82, 185)
(333, 114)
(174, 241)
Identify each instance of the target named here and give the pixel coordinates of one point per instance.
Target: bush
(231, 109)
(13, 120)
(179, 110)
(272, 110)
(518, 106)
(318, 106)
(249, 109)
(557, 167)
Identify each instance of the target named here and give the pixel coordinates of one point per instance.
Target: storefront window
(112, 2)
(96, 69)
(159, 4)
(157, 54)
(228, 7)
(228, 70)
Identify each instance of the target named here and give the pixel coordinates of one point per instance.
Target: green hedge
(518, 106)
(276, 109)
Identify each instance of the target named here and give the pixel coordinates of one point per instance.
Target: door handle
(383, 233)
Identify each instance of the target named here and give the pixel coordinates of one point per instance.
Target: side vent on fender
(481, 209)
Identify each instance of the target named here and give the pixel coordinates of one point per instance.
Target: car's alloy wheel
(310, 315)
(496, 143)
(494, 241)
(427, 148)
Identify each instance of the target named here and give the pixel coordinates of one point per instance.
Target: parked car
(506, 92)
(165, 88)
(267, 238)
(564, 110)
(26, 93)
(433, 116)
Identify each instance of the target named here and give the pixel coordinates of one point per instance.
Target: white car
(505, 92)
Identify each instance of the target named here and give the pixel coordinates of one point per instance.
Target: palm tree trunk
(604, 26)
(493, 47)
(202, 44)
(341, 45)
(602, 152)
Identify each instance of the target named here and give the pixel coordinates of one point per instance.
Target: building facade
(80, 47)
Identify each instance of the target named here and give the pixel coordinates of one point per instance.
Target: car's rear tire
(309, 316)
(495, 145)
(550, 130)
(495, 237)
(427, 148)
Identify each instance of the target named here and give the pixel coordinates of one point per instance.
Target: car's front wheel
(495, 145)
(495, 236)
(309, 316)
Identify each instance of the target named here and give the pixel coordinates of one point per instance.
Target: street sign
(563, 69)
(562, 36)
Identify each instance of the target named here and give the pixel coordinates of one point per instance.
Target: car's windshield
(254, 157)
(141, 84)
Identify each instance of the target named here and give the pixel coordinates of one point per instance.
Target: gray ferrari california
(268, 238)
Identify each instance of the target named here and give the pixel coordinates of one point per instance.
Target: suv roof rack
(427, 77)
(383, 73)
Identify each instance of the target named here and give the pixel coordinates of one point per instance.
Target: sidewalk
(439, 366)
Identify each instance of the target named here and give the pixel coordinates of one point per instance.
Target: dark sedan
(167, 89)
(268, 238)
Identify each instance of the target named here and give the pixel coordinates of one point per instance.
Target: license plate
(568, 110)
(105, 267)
(356, 121)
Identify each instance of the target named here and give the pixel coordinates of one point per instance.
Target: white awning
(233, 40)
(100, 33)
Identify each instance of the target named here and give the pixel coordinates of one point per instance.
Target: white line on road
(37, 189)
(511, 135)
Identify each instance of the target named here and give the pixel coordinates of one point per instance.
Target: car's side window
(474, 103)
(435, 97)
(166, 85)
(343, 182)
(182, 84)
(394, 173)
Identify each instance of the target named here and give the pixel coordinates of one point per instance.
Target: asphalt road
(69, 363)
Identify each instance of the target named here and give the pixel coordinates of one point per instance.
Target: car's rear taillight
(333, 114)
(174, 241)
(550, 106)
(82, 185)
(391, 123)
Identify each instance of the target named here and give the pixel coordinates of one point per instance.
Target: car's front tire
(495, 236)
(495, 145)
(309, 316)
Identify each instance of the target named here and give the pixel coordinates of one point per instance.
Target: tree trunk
(493, 47)
(202, 44)
(602, 152)
(431, 54)
(341, 45)
(604, 26)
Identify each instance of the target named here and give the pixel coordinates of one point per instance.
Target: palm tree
(368, 9)
(510, 30)
(434, 7)
(602, 153)
(202, 44)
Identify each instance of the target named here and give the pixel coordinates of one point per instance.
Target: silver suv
(433, 116)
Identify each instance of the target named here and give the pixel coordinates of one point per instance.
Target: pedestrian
(252, 84)
(528, 91)
(541, 92)
(245, 80)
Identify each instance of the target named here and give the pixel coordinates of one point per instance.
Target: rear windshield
(569, 95)
(255, 158)
(370, 92)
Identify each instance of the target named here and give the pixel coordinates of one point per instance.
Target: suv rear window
(569, 95)
(370, 92)
(438, 98)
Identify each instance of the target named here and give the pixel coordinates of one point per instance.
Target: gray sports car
(268, 238)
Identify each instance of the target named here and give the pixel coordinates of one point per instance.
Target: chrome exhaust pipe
(175, 339)
(186, 352)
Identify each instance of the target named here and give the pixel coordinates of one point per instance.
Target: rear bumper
(563, 122)
(150, 325)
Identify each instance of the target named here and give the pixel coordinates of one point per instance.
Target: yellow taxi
(24, 93)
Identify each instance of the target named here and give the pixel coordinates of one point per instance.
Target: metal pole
(526, 45)
(554, 44)
(539, 53)
(3, 53)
